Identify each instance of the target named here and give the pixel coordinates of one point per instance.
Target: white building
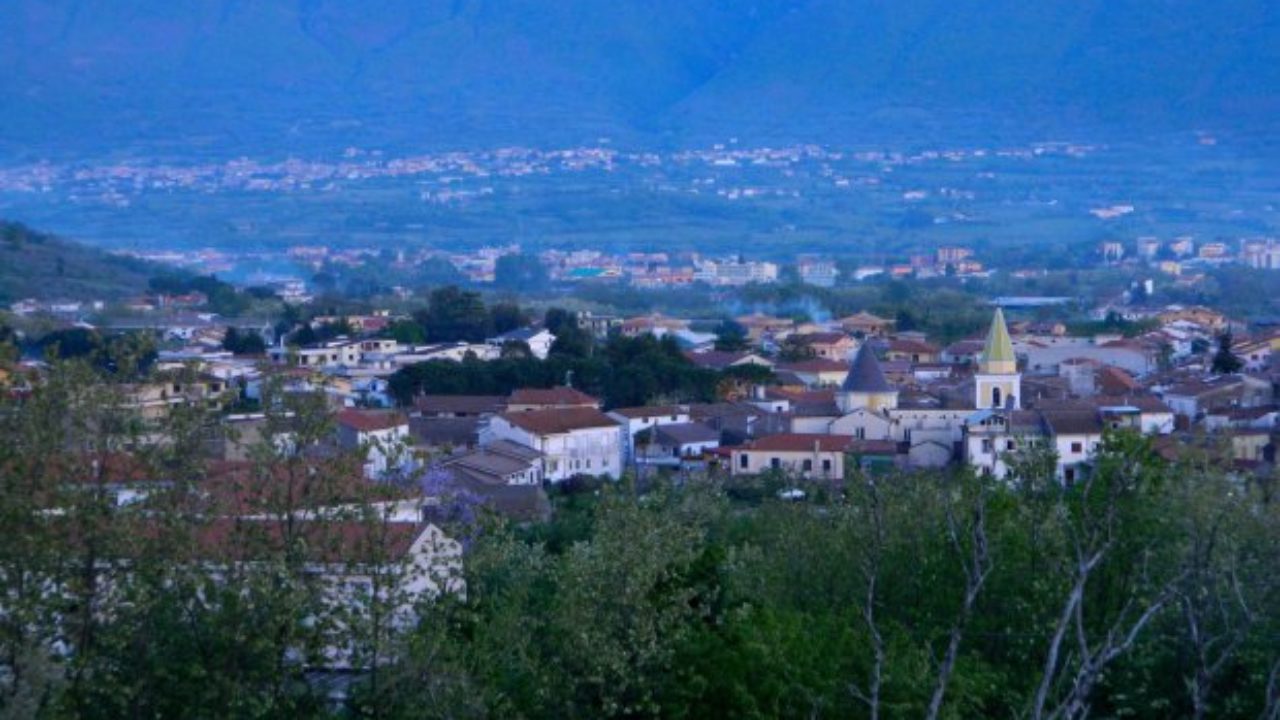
(573, 441)
(383, 436)
(539, 340)
(638, 419)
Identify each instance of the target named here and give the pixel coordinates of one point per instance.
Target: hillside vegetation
(37, 265)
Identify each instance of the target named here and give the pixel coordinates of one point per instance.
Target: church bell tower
(998, 384)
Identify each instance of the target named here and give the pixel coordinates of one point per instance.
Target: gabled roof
(865, 375)
(813, 365)
(557, 421)
(686, 433)
(909, 345)
(457, 431)
(649, 411)
(1073, 422)
(519, 335)
(865, 318)
(800, 442)
(999, 347)
(371, 420)
(556, 396)
(459, 404)
(823, 338)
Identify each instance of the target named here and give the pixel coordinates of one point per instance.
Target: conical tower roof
(999, 347)
(865, 375)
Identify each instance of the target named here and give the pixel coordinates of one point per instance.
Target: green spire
(997, 355)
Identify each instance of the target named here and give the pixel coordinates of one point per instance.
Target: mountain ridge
(244, 72)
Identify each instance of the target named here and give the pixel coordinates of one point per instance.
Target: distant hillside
(45, 267)
(188, 75)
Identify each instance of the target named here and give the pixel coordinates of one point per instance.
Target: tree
(406, 332)
(731, 336)
(794, 349)
(454, 314)
(244, 342)
(520, 272)
(1225, 361)
(507, 316)
(571, 340)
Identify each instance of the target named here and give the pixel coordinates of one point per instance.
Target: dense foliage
(1146, 590)
(622, 371)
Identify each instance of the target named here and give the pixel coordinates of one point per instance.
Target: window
(995, 397)
(1077, 447)
(986, 445)
(1009, 445)
(860, 433)
(826, 465)
(808, 466)
(1069, 475)
(743, 461)
(775, 463)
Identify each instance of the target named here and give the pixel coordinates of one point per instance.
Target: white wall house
(637, 419)
(384, 436)
(539, 340)
(573, 441)
(808, 456)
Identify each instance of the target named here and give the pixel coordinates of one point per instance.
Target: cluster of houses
(875, 399)
(853, 390)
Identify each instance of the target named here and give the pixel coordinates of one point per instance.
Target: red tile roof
(800, 442)
(371, 420)
(649, 411)
(556, 396)
(556, 421)
(815, 365)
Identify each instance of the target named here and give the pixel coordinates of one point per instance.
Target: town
(776, 359)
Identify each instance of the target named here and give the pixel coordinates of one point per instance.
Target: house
(1255, 354)
(738, 422)
(818, 372)
(834, 346)
(1193, 398)
(458, 406)
(759, 325)
(598, 325)
(656, 325)
(638, 419)
(526, 399)
(539, 340)
(444, 434)
(864, 324)
(963, 352)
(340, 351)
(720, 360)
(382, 435)
(236, 436)
(994, 438)
(803, 455)
(572, 440)
(682, 441)
(501, 462)
(916, 351)
(1201, 316)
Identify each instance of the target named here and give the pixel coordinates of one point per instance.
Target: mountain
(185, 75)
(46, 267)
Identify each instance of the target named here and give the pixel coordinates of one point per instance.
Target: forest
(1147, 589)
